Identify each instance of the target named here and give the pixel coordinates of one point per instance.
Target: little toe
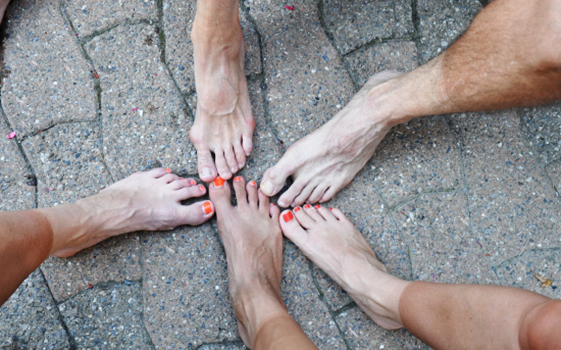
(231, 159)
(189, 192)
(274, 212)
(196, 213)
(156, 173)
(293, 191)
(317, 193)
(239, 189)
(263, 202)
(169, 178)
(247, 144)
(291, 228)
(219, 192)
(338, 214)
(275, 177)
(222, 166)
(205, 165)
(303, 218)
(240, 155)
(252, 196)
(311, 210)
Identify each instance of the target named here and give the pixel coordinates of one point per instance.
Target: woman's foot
(147, 201)
(224, 122)
(332, 242)
(327, 160)
(252, 240)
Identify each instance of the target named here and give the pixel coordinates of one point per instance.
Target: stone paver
(99, 90)
(48, 80)
(107, 317)
(30, 318)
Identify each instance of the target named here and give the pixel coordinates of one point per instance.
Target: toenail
(233, 170)
(283, 204)
(218, 182)
(297, 209)
(252, 183)
(168, 170)
(207, 207)
(238, 178)
(202, 188)
(240, 165)
(330, 208)
(307, 206)
(288, 216)
(267, 188)
(181, 178)
(206, 172)
(193, 182)
(318, 206)
(273, 204)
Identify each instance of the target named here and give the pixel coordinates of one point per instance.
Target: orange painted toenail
(330, 208)
(238, 178)
(168, 170)
(202, 188)
(318, 206)
(273, 204)
(181, 178)
(207, 207)
(218, 182)
(252, 183)
(288, 216)
(296, 209)
(193, 182)
(307, 206)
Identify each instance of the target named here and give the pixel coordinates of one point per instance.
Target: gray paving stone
(89, 17)
(116, 259)
(178, 21)
(228, 346)
(185, 288)
(16, 195)
(30, 319)
(303, 302)
(266, 149)
(144, 117)
(107, 317)
(363, 206)
(442, 248)
(362, 333)
(307, 83)
(355, 23)
(441, 23)
(543, 127)
(395, 55)
(554, 172)
(420, 156)
(513, 207)
(48, 80)
(68, 163)
(520, 271)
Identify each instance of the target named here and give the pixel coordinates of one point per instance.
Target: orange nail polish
(202, 188)
(318, 206)
(238, 178)
(273, 204)
(288, 216)
(218, 182)
(307, 206)
(252, 183)
(297, 209)
(330, 208)
(181, 178)
(207, 207)
(193, 182)
(168, 170)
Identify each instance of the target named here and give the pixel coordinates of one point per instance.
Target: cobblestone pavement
(97, 90)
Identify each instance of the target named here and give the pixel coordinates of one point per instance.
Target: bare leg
(443, 316)
(509, 57)
(144, 201)
(224, 122)
(253, 243)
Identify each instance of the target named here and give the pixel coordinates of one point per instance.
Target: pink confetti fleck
(291, 8)
(134, 109)
(156, 74)
(12, 135)
(76, 34)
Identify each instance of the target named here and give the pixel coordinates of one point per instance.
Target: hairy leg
(224, 122)
(443, 316)
(147, 201)
(508, 57)
(253, 244)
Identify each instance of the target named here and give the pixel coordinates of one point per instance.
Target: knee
(540, 328)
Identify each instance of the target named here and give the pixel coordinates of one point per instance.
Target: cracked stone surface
(46, 80)
(107, 317)
(464, 198)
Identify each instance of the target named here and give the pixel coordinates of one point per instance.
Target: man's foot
(332, 242)
(147, 201)
(224, 122)
(327, 160)
(253, 243)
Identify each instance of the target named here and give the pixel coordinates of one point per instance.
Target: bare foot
(327, 160)
(224, 122)
(253, 243)
(147, 201)
(332, 242)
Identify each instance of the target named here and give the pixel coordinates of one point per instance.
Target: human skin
(148, 201)
(253, 240)
(509, 57)
(444, 316)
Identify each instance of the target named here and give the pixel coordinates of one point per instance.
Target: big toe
(196, 213)
(291, 228)
(220, 194)
(274, 178)
(206, 167)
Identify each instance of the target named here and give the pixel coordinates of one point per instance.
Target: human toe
(274, 212)
(317, 193)
(312, 211)
(291, 228)
(275, 177)
(155, 173)
(190, 192)
(252, 196)
(205, 165)
(222, 166)
(230, 157)
(196, 213)
(240, 155)
(239, 189)
(247, 144)
(263, 202)
(290, 195)
(220, 195)
(303, 218)
(303, 196)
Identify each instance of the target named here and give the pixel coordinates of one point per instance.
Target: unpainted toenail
(267, 188)
(233, 170)
(218, 182)
(240, 165)
(288, 217)
(206, 172)
(207, 207)
(238, 178)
